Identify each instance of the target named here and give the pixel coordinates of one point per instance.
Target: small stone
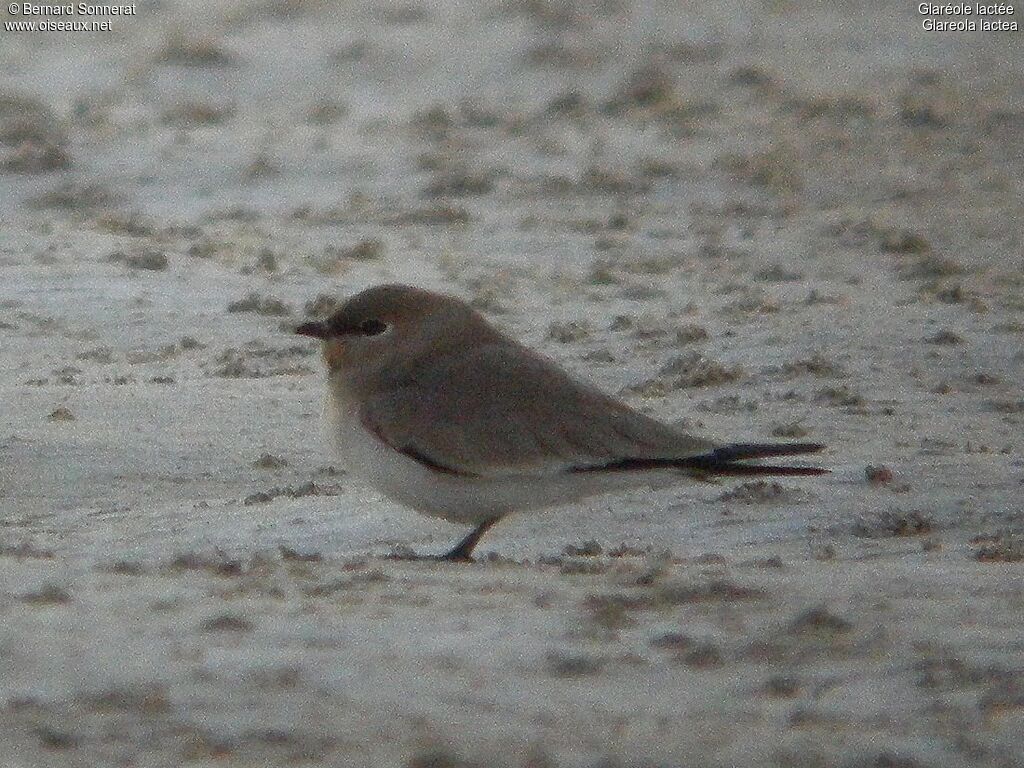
(703, 656)
(820, 621)
(945, 337)
(61, 413)
(878, 475)
(149, 259)
(568, 333)
(261, 305)
(269, 461)
(227, 623)
(586, 549)
(781, 686)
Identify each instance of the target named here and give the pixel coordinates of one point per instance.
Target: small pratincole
(444, 413)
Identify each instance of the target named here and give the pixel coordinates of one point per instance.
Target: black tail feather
(724, 461)
(742, 451)
(730, 468)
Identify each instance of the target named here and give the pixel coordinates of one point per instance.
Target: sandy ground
(763, 220)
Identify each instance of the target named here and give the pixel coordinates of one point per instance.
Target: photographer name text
(78, 17)
(81, 9)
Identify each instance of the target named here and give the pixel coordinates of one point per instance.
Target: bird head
(382, 331)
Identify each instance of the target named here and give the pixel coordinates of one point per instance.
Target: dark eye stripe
(339, 325)
(372, 327)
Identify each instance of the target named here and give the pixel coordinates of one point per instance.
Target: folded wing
(497, 412)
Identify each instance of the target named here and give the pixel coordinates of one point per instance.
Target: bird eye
(372, 327)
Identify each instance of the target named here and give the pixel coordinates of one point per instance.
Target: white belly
(459, 499)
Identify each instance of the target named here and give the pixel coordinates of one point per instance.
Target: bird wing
(502, 410)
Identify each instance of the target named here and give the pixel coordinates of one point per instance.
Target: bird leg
(463, 551)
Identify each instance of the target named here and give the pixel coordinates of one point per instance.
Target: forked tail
(727, 459)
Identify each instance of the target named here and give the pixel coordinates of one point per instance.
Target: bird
(441, 411)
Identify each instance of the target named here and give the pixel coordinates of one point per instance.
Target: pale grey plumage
(500, 409)
(439, 410)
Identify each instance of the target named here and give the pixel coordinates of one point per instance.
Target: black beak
(314, 329)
